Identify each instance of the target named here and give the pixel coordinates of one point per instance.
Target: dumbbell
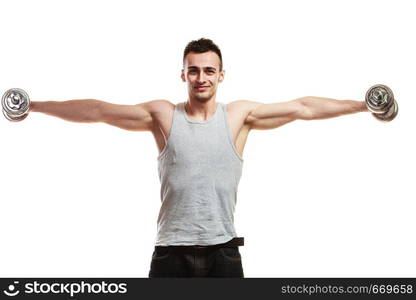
(380, 101)
(16, 104)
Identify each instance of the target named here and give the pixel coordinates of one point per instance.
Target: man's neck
(200, 111)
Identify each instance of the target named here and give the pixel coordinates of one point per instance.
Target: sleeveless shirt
(199, 171)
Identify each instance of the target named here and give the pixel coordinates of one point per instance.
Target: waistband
(235, 242)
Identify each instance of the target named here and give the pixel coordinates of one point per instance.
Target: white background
(327, 198)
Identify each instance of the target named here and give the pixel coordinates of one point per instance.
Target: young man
(201, 145)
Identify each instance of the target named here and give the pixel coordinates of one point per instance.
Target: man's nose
(201, 77)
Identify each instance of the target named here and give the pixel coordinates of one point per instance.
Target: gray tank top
(199, 170)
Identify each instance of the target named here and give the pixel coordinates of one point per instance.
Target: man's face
(202, 73)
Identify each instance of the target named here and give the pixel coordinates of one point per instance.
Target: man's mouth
(201, 88)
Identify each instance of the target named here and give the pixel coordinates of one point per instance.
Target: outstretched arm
(316, 108)
(273, 115)
(138, 117)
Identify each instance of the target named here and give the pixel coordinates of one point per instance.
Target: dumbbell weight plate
(15, 102)
(379, 98)
(14, 118)
(390, 115)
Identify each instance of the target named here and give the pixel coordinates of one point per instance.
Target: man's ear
(222, 74)
(183, 76)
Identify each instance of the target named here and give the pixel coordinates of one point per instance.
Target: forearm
(85, 110)
(323, 108)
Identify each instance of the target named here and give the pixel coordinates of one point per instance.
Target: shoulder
(242, 105)
(241, 108)
(158, 106)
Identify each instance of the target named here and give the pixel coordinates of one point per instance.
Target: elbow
(96, 113)
(305, 111)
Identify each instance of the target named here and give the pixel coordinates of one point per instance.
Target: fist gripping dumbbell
(16, 104)
(380, 101)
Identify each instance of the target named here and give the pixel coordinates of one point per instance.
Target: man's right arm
(137, 117)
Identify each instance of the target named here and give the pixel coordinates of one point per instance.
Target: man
(201, 145)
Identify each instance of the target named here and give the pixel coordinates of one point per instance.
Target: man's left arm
(272, 115)
(317, 108)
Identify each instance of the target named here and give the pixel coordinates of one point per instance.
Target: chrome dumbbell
(16, 104)
(380, 101)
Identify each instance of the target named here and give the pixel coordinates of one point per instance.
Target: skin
(199, 69)
(202, 70)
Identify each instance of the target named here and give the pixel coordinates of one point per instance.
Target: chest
(236, 117)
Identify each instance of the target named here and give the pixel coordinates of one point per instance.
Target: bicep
(273, 115)
(138, 117)
(270, 123)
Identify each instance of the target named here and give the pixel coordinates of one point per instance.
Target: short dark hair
(201, 46)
